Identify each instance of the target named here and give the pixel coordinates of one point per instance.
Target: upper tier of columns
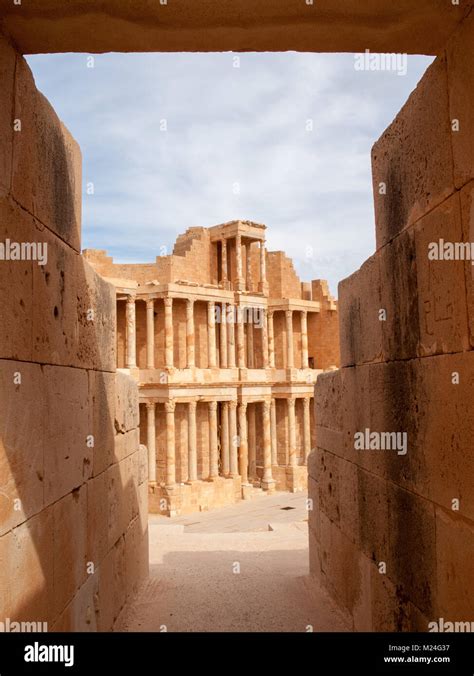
(243, 282)
(231, 340)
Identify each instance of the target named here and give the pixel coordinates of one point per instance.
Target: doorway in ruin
(287, 529)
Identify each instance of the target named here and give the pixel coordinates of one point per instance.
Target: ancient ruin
(391, 535)
(226, 344)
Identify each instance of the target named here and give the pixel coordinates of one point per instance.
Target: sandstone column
(224, 263)
(304, 339)
(306, 429)
(251, 443)
(271, 341)
(238, 263)
(211, 333)
(250, 347)
(192, 442)
(223, 336)
(291, 432)
(240, 339)
(231, 336)
(289, 339)
(168, 302)
(190, 333)
(267, 482)
(151, 441)
(214, 461)
(225, 438)
(244, 451)
(131, 334)
(263, 285)
(150, 334)
(264, 330)
(248, 267)
(170, 445)
(274, 432)
(234, 448)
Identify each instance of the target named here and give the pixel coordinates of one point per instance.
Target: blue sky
(171, 141)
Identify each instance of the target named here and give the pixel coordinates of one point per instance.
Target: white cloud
(227, 125)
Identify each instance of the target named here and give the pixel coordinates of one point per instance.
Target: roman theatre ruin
(81, 384)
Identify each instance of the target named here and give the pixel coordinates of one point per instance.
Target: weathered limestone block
(7, 78)
(21, 442)
(16, 285)
(126, 444)
(46, 162)
(97, 519)
(126, 406)
(455, 579)
(26, 562)
(136, 556)
(339, 560)
(399, 298)
(68, 454)
(96, 345)
(371, 327)
(413, 158)
(327, 399)
(74, 311)
(441, 284)
(446, 430)
(350, 335)
(82, 613)
(102, 418)
(112, 585)
(467, 211)
(115, 521)
(373, 516)
(70, 547)
(129, 492)
(398, 403)
(355, 405)
(461, 100)
(412, 559)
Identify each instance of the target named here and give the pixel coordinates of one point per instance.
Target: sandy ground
(226, 571)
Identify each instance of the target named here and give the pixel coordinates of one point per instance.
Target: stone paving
(226, 571)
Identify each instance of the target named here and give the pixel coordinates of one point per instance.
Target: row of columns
(228, 357)
(238, 442)
(241, 283)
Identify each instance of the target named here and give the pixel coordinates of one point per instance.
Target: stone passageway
(227, 571)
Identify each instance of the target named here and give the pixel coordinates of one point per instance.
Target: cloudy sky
(171, 141)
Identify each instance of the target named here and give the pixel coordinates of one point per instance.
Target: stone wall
(73, 490)
(392, 535)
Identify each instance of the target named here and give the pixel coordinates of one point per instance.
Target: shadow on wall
(73, 489)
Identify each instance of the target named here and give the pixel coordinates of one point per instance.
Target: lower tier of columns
(206, 454)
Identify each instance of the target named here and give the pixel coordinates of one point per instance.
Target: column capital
(289, 314)
(150, 303)
(170, 406)
(213, 406)
(168, 301)
(189, 302)
(150, 405)
(131, 298)
(243, 406)
(306, 402)
(233, 405)
(266, 406)
(192, 404)
(291, 400)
